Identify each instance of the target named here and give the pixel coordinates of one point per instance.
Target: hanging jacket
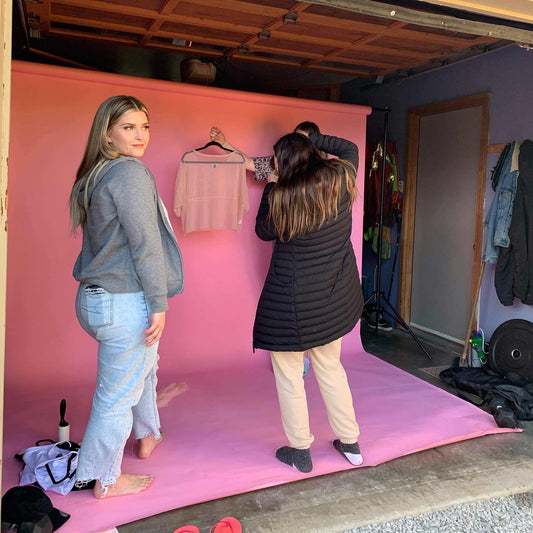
(513, 276)
(498, 219)
(373, 187)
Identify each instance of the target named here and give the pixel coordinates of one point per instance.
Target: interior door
(444, 190)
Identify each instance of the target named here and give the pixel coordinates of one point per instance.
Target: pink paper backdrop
(208, 338)
(220, 436)
(209, 326)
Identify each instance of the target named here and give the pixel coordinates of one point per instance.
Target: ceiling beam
(521, 10)
(444, 22)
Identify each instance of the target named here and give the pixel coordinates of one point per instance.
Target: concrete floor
(476, 469)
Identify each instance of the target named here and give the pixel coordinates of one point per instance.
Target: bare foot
(169, 392)
(124, 485)
(146, 446)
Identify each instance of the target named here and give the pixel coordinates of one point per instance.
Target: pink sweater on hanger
(211, 191)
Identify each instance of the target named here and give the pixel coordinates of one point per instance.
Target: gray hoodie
(128, 242)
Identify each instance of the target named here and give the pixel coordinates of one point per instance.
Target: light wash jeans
(125, 395)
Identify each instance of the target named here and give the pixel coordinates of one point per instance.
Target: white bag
(52, 466)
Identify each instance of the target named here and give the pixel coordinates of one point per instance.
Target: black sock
(350, 452)
(300, 459)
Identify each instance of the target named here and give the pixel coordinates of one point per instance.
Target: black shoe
(383, 324)
(350, 452)
(300, 459)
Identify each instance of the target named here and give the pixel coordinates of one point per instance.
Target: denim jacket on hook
(498, 219)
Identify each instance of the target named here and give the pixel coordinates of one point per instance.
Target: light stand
(377, 295)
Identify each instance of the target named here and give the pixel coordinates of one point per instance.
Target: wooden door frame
(5, 103)
(409, 199)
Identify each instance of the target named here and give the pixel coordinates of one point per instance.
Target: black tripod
(377, 295)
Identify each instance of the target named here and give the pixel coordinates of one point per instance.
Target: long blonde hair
(98, 151)
(309, 187)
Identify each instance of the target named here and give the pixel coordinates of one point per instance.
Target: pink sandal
(226, 525)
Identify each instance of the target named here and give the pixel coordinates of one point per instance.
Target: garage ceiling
(265, 42)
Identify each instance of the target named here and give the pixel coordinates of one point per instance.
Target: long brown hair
(98, 151)
(309, 187)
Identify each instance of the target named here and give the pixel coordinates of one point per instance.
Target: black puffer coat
(312, 293)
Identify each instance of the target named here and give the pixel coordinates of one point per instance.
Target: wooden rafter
(329, 35)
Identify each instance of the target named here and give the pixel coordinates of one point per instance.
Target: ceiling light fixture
(181, 42)
(265, 35)
(290, 18)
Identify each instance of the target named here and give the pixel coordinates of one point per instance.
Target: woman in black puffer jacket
(312, 293)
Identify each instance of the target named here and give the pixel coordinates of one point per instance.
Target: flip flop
(227, 525)
(187, 529)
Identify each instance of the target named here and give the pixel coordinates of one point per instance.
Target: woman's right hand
(217, 135)
(157, 325)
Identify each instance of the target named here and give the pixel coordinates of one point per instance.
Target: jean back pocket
(98, 306)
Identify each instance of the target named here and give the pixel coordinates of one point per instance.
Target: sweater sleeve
(264, 228)
(135, 197)
(263, 167)
(342, 148)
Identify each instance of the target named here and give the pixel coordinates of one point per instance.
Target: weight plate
(511, 348)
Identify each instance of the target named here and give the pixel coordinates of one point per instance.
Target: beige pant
(334, 388)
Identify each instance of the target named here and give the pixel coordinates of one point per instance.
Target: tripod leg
(401, 321)
(367, 301)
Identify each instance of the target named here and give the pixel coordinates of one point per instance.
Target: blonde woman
(312, 294)
(129, 264)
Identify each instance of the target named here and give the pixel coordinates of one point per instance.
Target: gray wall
(507, 74)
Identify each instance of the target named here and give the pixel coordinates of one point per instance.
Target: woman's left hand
(154, 332)
(217, 135)
(272, 177)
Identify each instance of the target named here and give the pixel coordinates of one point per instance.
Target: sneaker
(299, 459)
(383, 324)
(350, 452)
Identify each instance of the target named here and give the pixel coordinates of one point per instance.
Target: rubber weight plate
(511, 348)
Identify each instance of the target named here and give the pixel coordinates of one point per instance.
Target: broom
(462, 360)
